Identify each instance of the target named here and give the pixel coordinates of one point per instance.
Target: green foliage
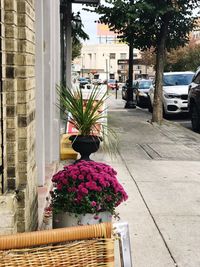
(162, 24)
(84, 115)
(78, 34)
(87, 115)
(148, 57)
(141, 21)
(183, 58)
(76, 49)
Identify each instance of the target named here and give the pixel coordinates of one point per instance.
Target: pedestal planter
(67, 219)
(85, 145)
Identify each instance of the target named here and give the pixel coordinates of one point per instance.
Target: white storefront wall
(47, 76)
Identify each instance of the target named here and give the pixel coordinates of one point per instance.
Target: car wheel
(150, 108)
(165, 115)
(137, 101)
(195, 119)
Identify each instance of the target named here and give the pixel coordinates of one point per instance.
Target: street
(182, 119)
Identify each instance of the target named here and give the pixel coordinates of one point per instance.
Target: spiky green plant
(86, 115)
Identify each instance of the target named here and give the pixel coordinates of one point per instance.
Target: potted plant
(88, 116)
(85, 193)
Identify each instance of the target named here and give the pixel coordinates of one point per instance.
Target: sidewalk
(159, 168)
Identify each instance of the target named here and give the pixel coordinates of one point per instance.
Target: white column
(40, 137)
(47, 79)
(51, 76)
(56, 80)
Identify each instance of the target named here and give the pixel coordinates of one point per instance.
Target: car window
(177, 79)
(145, 84)
(112, 81)
(197, 78)
(135, 84)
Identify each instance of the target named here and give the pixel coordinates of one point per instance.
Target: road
(182, 119)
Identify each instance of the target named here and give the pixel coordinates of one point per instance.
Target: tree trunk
(157, 115)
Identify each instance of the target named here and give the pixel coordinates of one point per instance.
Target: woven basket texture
(94, 248)
(90, 253)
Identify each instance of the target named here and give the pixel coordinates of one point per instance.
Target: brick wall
(18, 82)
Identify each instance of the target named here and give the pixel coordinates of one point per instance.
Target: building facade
(29, 120)
(18, 195)
(111, 61)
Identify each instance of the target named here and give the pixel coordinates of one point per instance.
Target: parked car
(140, 92)
(142, 89)
(124, 90)
(97, 81)
(83, 81)
(112, 84)
(194, 101)
(175, 92)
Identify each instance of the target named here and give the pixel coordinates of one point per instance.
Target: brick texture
(18, 105)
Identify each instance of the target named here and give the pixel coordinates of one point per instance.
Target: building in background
(195, 35)
(110, 61)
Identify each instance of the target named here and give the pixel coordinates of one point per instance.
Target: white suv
(175, 92)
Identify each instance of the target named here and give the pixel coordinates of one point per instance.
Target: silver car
(175, 92)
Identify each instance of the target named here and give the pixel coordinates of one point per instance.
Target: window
(123, 55)
(197, 79)
(177, 79)
(122, 67)
(112, 55)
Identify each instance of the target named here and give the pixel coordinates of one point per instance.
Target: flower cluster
(87, 187)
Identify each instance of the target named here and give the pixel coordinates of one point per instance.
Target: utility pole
(129, 102)
(107, 74)
(66, 45)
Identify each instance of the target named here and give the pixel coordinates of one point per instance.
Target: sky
(88, 20)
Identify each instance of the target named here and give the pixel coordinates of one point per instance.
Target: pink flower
(74, 177)
(59, 186)
(93, 203)
(64, 181)
(87, 187)
(84, 190)
(81, 177)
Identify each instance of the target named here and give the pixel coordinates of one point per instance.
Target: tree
(121, 17)
(166, 24)
(183, 58)
(148, 57)
(162, 24)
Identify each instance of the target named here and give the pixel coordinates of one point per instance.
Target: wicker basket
(84, 246)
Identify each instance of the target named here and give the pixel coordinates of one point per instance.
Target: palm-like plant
(88, 116)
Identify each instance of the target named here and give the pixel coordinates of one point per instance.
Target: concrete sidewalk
(159, 168)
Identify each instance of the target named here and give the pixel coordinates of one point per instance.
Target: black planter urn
(85, 145)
